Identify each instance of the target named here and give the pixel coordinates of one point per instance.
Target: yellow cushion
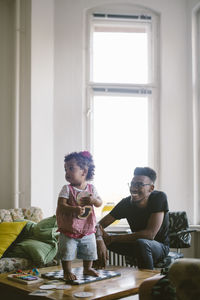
(9, 231)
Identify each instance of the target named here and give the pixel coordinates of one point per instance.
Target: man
(146, 212)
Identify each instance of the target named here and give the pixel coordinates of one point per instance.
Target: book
(25, 278)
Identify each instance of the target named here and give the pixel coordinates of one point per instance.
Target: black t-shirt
(137, 217)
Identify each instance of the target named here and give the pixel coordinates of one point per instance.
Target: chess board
(103, 274)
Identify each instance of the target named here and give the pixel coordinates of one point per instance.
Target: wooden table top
(114, 288)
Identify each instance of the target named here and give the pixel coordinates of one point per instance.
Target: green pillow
(27, 230)
(39, 243)
(37, 251)
(46, 229)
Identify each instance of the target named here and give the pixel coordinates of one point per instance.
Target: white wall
(176, 156)
(176, 109)
(58, 94)
(42, 89)
(193, 15)
(69, 93)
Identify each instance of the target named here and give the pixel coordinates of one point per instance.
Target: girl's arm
(96, 201)
(66, 208)
(91, 200)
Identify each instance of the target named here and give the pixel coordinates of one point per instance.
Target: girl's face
(74, 174)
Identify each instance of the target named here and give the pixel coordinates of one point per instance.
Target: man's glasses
(138, 185)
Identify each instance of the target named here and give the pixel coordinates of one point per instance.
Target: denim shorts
(83, 248)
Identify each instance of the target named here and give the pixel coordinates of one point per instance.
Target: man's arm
(153, 226)
(101, 247)
(107, 220)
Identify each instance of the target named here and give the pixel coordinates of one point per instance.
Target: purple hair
(84, 160)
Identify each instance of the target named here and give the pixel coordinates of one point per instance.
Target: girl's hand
(88, 200)
(85, 198)
(79, 210)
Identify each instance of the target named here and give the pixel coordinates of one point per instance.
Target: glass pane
(120, 143)
(120, 57)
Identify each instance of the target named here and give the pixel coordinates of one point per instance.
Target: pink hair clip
(86, 154)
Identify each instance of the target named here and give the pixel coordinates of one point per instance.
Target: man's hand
(106, 237)
(107, 240)
(101, 262)
(101, 247)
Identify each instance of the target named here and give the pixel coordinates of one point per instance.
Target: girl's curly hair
(84, 160)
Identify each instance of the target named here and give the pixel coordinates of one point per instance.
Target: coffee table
(114, 288)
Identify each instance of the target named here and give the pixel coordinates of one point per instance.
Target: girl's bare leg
(87, 268)
(67, 268)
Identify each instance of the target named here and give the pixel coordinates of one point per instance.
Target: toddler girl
(75, 214)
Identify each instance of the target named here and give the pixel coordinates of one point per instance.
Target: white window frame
(153, 86)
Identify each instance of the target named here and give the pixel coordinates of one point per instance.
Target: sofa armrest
(145, 288)
(184, 274)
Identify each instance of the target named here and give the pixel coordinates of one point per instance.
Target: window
(122, 94)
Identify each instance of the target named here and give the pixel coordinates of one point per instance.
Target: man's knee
(144, 254)
(142, 245)
(142, 242)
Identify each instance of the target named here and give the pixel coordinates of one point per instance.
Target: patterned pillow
(32, 213)
(5, 215)
(16, 214)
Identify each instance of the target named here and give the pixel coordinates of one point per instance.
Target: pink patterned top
(70, 224)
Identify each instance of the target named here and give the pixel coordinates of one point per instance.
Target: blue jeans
(145, 252)
(83, 248)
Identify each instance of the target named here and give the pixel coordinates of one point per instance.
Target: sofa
(181, 282)
(26, 239)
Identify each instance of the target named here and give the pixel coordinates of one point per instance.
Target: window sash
(103, 20)
(122, 25)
